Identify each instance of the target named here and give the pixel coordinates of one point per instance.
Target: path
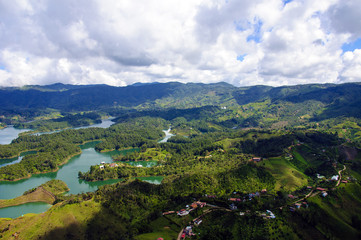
(339, 173)
(214, 207)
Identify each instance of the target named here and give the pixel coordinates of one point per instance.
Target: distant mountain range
(339, 99)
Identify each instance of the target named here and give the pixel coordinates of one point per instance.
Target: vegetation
(55, 149)
(243, 151)
(67, 121)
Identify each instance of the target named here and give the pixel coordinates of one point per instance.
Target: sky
(242, 42)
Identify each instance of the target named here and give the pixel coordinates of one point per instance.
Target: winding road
(339, 173)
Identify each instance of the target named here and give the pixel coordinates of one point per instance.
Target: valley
(269, 163)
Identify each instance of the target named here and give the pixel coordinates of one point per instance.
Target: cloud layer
(271, 42)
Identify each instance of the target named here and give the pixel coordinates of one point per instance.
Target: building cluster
(188, 209)
(187, 232)
(103, 165)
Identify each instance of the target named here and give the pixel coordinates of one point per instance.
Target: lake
(69, 174)
(10, 133)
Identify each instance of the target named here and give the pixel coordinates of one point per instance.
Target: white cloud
(122, 42)
(352, 66)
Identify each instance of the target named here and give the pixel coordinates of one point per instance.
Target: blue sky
(352, 45)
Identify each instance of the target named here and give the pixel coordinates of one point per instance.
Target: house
(101, 167)
(233, 207)
(201, 204)
(102, 163)
(113, 165)
(264, 190)
(324, 194)
(319, 176)
(182, 212)
(194, 205)
(298, 205)
(256, 159)
(233, 199)
(270, 214)
(334, 178)
(169, 212)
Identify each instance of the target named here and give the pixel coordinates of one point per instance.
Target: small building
(334, 178)
(182, 212)
(201, 204)
(256, 159)
(169, 212)
(233, 199)
(113, 165)
(297, 205)
(264, 190)
(101, 167)
(270, 214)
(194, 205)
(233, 207)
(324, 194)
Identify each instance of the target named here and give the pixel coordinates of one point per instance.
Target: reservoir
(10, 133)
(69, 174)
(167, 135)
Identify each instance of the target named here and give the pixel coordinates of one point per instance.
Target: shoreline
(55, 170)
(39, 195)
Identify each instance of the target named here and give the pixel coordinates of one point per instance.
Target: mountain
(322, 101)
(93, 97)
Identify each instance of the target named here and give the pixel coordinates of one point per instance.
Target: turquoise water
(17, 211)
(69, 174)
(142, 163)
(4, 162)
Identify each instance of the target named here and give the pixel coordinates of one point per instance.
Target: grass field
(166, 234)
(339, 207)
(60, 221)
(39, 195)
(44, 193)
(287, 177)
